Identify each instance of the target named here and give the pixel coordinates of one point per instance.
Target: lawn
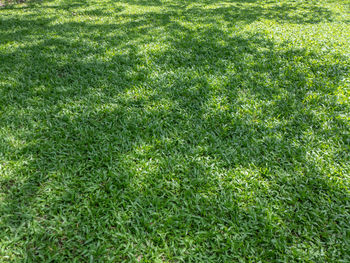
(175, 131)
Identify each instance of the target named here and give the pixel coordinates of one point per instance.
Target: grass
(175, 131)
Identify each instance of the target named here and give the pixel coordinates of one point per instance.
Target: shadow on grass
(247, 11)
(38, 4)
(198, 146)
(233, 12)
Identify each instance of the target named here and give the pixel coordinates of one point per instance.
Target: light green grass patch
(174, 131)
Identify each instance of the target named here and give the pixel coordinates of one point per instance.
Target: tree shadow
(35, 4)
(152, 147)
(233, 12)
(246, 11)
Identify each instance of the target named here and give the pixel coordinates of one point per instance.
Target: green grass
(175, 131)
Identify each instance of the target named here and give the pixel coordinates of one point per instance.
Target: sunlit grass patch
(174, 131)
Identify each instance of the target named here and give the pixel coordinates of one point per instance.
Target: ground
(175, 131)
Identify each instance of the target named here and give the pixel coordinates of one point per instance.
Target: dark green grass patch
(175, 131)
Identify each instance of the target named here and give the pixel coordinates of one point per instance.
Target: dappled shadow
(26, 4)
(236, 11)
(233, 12)
(198, 138)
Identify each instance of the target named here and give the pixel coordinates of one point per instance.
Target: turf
(175, 131)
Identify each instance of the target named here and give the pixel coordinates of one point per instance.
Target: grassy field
(175, 131)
